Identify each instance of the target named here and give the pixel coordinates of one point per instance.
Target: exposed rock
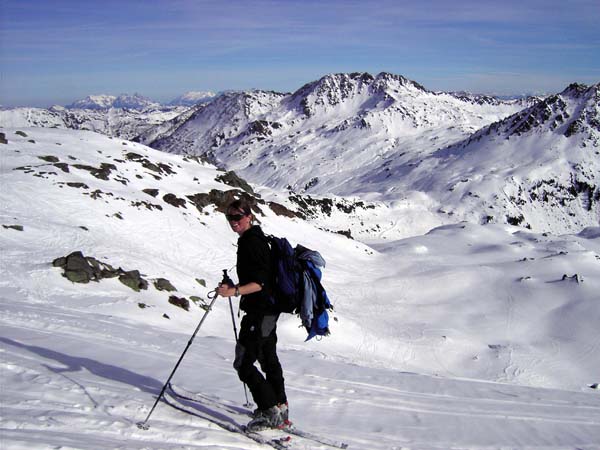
(134, 280)
(150, 206)
(262, 127)
(172, 199)
(281, 210)
(232, 179)
(62, 166)
(162, 284)
(181, 302)
(151, 192)
(161, 168)
(101, 172)
(81, 269)
(13, 227)
(310, 206)
(222, 199)
(78, 185)
(49, 158)
(346, 233)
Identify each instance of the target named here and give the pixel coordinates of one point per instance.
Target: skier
(257, 339)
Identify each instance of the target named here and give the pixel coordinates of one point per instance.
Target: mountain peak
(334, 89)
(392, 80)
(100, 101)
(575, 90)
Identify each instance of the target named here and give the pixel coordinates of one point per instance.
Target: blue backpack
(296, 286)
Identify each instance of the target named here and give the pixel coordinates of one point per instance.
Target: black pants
(257, 342)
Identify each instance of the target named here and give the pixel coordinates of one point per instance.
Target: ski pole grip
(226, 280)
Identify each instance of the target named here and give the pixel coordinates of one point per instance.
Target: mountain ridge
(123, 101)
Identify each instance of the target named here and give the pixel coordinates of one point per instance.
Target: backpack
(296, 286)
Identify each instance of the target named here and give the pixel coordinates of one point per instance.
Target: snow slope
(120, 122)
(539, 168)
(465, 337)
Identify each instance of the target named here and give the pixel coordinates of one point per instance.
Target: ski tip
(284, 442)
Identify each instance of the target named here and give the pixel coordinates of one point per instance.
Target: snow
(118, 122)
(192, 98)
(130, 101)
(461, 336)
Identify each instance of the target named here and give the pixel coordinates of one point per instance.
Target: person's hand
(224, 290)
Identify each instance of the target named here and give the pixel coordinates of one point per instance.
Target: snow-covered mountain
(539, 168)
(385, 138)
(337, 109)
(124, 123)
(468, 336)
(101, 101)
(123, 101)
(125, 116)
(388, 137)
(214, 123)
(193, 98)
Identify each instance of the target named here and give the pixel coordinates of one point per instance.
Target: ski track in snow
(450, 340)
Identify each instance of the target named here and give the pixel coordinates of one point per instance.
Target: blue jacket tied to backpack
(314, 302)
(297, 287)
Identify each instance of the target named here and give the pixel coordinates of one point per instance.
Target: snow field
(465, 337)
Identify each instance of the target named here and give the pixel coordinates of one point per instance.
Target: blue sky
(57, 51)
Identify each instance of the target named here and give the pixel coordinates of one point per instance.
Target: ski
(314, 437)
(205, 399)
(281, 443)
(182, 393)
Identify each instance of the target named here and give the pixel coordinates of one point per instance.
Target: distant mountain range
(125, 116)
(528, 161)
(124, 101)
(138, 101)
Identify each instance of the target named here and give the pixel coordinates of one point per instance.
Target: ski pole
(227, 280)
(143, 425)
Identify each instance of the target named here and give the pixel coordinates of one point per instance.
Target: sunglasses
(235, 217)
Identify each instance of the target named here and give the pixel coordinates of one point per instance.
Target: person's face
(238, 220)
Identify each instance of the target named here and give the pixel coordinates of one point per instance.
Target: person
(257, 339)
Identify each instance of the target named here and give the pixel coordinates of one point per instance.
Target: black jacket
(254, 265)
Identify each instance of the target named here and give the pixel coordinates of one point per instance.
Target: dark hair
(241, 205)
